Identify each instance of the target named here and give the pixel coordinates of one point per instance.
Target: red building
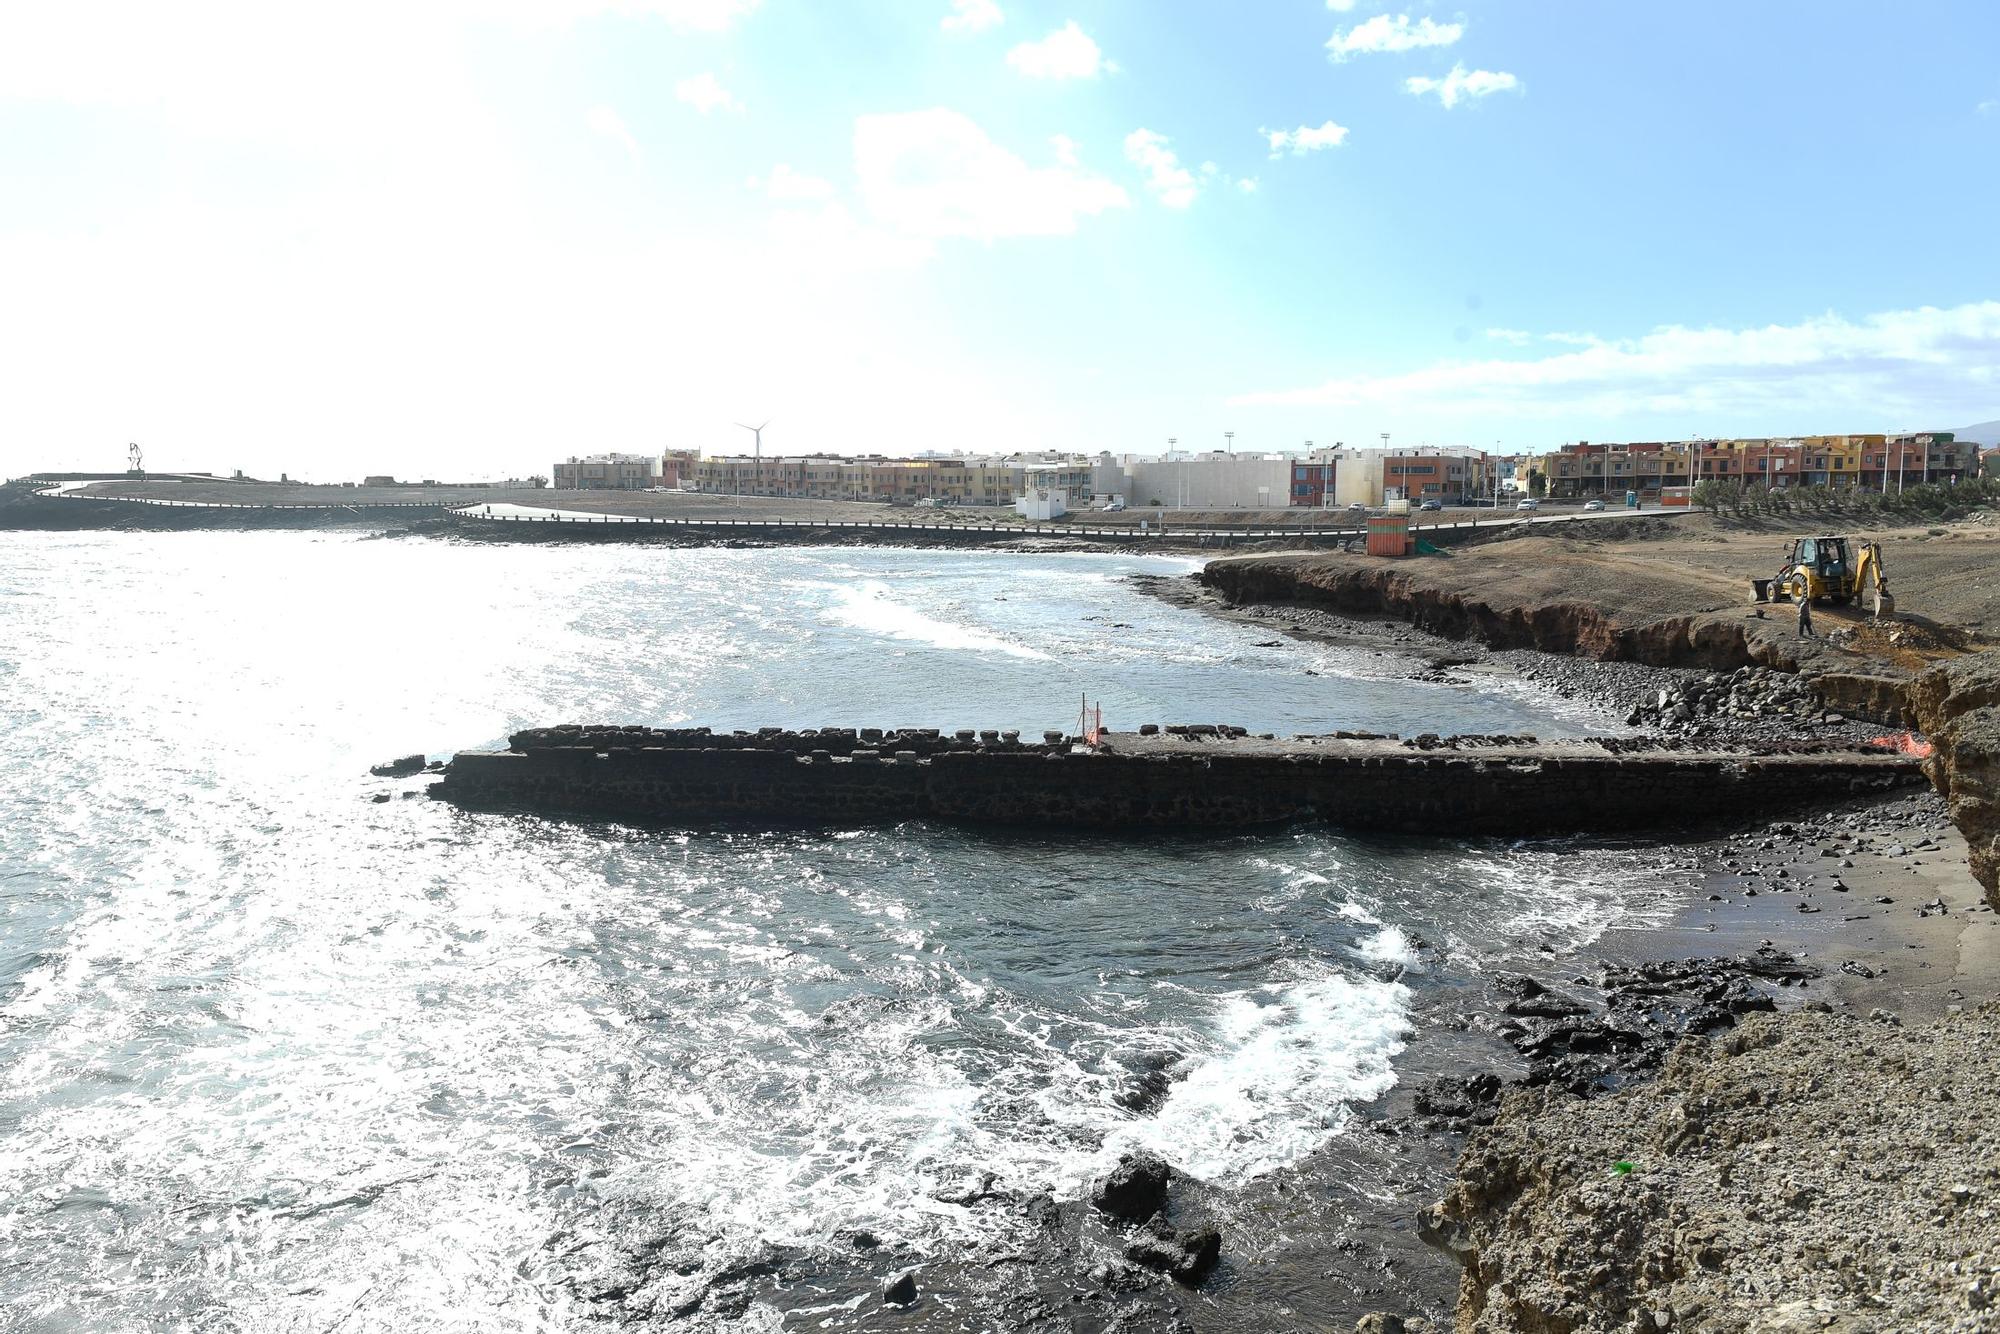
(1312, 484)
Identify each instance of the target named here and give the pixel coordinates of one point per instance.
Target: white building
(1041, 500)
(1212, 480)
(608, 472)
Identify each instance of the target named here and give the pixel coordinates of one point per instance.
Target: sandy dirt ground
(1945, 579)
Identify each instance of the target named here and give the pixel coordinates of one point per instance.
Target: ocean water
(276, 1056)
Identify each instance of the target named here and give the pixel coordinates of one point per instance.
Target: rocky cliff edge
(1809, 1171)
(1958, 709)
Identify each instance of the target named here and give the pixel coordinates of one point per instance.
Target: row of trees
(1939, 500)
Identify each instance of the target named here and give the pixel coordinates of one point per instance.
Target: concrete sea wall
(1197, 778)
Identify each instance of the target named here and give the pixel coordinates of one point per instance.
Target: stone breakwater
(1196, 777)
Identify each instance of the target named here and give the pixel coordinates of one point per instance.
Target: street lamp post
(1180, 474)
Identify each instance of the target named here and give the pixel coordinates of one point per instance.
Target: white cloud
(1066, 53)
(788, 186)
(1305, 139)
(1340, 6)
(936, 174)
(1462, 83)
(1171, 183)
(1214, 175)
(705, 93)
(607, 122)
(1518, 337)
(1898, 366)
(1065, 149)
(1989, 106)
(1385, 32)
(969, 16)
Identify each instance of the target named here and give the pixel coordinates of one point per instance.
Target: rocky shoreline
(1405, 1222)
(1588, 1192)
(1349, 1237)
(1634, 693)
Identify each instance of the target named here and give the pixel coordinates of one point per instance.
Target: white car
(1593, 505)
(1529, 504)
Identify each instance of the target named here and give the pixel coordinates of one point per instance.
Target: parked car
(1431, 505)
(1593, 505)
(1529, 504)
(1357, 508)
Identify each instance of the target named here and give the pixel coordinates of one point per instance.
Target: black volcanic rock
(1134, 1190)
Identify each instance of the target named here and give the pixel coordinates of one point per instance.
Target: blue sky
(465, 239)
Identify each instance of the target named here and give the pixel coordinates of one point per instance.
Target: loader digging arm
(1868, 571)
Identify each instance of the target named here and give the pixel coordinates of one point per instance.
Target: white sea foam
(1389, 945)
(1290, 1059)
(1550, 895)
(871, 606)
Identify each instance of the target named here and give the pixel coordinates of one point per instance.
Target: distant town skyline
(457, 240)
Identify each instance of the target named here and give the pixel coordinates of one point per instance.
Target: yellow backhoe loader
(1824, 568)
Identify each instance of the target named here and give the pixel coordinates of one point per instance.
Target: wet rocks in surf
(1135, 1189)
(1568, 1045)
(1188, 1255)
(1150, 1076)
(1135, 1194)
(901, 1290)
(399, 768)
(1527, 998)
(1385, 1322)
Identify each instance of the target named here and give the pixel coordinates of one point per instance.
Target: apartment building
(827, 477)
(1869, 461)
(608, 472)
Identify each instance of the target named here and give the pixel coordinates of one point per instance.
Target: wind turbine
(758, 432)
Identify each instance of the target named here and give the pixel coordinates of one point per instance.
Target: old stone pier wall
(1209, 777)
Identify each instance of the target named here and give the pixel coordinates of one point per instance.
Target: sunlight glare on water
(276, 1055)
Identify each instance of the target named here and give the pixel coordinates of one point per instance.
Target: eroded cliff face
(1705, 641)
(1957, 705)
(1765, 1182)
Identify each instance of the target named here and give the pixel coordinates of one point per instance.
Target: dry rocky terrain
(1805, 1173)
(1804, 1170)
